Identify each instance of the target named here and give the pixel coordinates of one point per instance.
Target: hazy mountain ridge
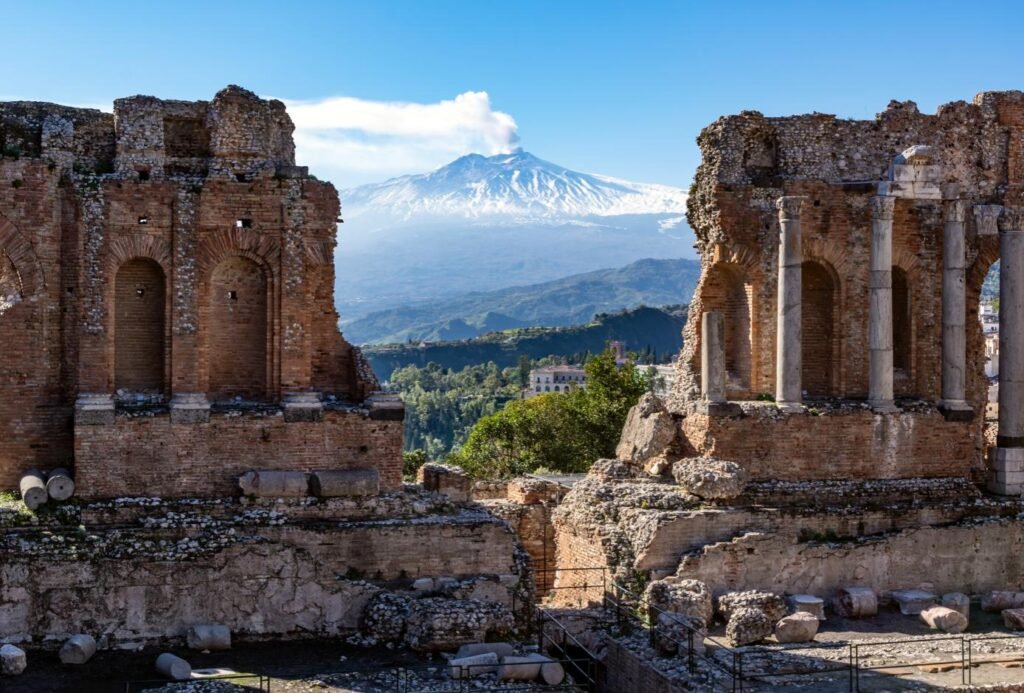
(568, 301)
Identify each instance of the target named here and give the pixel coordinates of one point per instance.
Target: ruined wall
(750, 160)
(973, 558)
(148, 454)
(254, 571)
(187, 191)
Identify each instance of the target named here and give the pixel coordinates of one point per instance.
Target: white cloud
(352, 141)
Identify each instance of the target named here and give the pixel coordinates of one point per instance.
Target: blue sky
(620, 88)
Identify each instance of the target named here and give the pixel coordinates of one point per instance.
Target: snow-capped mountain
(517, 186)
(486, 223)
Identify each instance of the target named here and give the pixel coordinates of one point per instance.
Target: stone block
(957, 601)
(94, 410)
(474, 665)
(856, 602)
(747, 626)
(798, 627)
(945, 619)
(501, 649)
(78, 649)
(1000, 600)
(12, 660)
(345, 483)
(810, 604)
(274, 484)
(913, 602)
(302, 407)
(1013, 619)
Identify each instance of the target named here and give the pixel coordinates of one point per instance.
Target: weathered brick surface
(180, 251)
(148, 455)
(852, 444)
(749, 161)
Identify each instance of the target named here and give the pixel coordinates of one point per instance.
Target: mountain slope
(518, 186)
(487, 223)
(643, 329)
(568, 301)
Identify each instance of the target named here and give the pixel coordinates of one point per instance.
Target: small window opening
(243, 223)
(232, 295)
(143, 174)
(140, 292)
(242, 177)
(144, 219)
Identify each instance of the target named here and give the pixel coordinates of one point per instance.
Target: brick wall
(90, 215)
(148, 455)
(846, 444)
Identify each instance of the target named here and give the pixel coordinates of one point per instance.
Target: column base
(719, 408)
(791, 407)
(956, 410)
(189, 408)
(884, 406)
(1006, 466)
(94, 409)
(302, 406)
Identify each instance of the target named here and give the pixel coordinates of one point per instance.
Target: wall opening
(902, 325)
(818, 320)
(237, 348)
(728, 290)
(139, 332)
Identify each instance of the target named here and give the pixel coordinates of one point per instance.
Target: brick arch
(22, 256)
(225, 245)
(235, 242)
(320, 252)
(140, 309)
(728, 288)
(134, 246)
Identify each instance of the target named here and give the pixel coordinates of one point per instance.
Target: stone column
(880, 394)
(954, 314)
(1007, 458)
(712, 367)
(788, 388)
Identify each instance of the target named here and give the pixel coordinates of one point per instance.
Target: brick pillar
(954, 314)
(300, 402)
(880, 369)
(1007, 458)
(188, 403)
(788, 363)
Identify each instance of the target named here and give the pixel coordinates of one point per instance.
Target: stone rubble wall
(260, 573)
(973, 557)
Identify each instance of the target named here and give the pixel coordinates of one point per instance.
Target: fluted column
(880, 392)
(1007, 458)
(788, 388)
(954, 313)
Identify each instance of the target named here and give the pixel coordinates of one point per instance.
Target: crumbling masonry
(167, 276)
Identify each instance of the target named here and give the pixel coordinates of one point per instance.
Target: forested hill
(655, 332)
(564, 302)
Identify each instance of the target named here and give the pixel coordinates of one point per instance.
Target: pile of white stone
(433, 624)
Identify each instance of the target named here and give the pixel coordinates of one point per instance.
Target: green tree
(561, 432)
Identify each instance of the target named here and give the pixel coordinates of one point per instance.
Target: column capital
(954, 211)
(986, 218)
(1011, 219)
(882, 206)
(789, 206)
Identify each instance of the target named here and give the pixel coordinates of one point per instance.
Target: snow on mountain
(517, 187)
